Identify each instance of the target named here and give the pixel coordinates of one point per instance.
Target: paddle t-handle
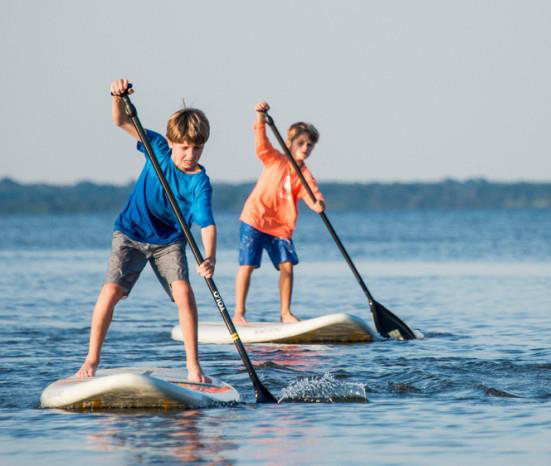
(262, 393)
(387, 323)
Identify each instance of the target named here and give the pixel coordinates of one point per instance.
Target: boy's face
(300, 148)
(186, 155)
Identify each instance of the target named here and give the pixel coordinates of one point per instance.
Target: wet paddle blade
(263, 395)
(389, 325)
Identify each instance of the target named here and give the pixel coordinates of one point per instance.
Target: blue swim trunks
(252, 242)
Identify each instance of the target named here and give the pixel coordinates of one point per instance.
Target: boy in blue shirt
(147, 229)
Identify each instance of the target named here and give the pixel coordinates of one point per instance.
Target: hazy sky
(399, 90)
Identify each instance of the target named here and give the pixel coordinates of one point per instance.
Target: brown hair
(188, 125)
(296, 129)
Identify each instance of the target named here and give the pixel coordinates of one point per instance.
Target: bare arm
(208, 236)
(318, 205)
(120, 118)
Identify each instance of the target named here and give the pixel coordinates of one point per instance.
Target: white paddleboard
(135, 387)
(331, 328)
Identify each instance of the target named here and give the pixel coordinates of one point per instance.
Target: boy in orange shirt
(269, 215)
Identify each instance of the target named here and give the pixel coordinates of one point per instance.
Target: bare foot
(288, 318)
(239, 319)
(88, 369)
(196, 375)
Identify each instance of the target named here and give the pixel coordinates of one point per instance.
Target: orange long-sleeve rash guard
(272, 205)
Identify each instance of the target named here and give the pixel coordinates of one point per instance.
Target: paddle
(388, 324)
(262, 393)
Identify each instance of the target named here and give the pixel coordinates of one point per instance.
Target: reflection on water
(182, 436)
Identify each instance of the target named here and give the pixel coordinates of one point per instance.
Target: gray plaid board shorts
(128, 259)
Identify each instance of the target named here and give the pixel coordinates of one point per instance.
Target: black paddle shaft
(386, 322)
(262, 393)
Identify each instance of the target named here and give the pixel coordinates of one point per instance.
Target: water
(476, 390)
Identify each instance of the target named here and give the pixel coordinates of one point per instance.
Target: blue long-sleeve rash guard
(148, 216)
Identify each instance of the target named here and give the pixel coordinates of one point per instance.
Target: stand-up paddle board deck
(331, 328)
(135, 387)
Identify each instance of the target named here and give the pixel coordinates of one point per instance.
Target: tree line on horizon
(85, 197)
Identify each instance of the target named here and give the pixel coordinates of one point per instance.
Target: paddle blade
(263, 395)
(390, 325)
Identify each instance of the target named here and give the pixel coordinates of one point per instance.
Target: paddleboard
(135, 387)
(331, 328)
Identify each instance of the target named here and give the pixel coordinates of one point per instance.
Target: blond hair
(188, 125)
(298, 128)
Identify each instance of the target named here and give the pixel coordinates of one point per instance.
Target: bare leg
(108, 298)
(242, 282)
(285, 292)
(187, 315)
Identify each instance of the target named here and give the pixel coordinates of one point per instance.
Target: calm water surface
(477, 389)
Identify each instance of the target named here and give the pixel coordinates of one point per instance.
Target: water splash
(325, 389)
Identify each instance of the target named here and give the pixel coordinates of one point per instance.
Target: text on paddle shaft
(219, 301)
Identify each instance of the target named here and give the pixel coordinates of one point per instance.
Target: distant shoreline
(83, 197)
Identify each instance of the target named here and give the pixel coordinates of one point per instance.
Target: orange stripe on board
(206, 388)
